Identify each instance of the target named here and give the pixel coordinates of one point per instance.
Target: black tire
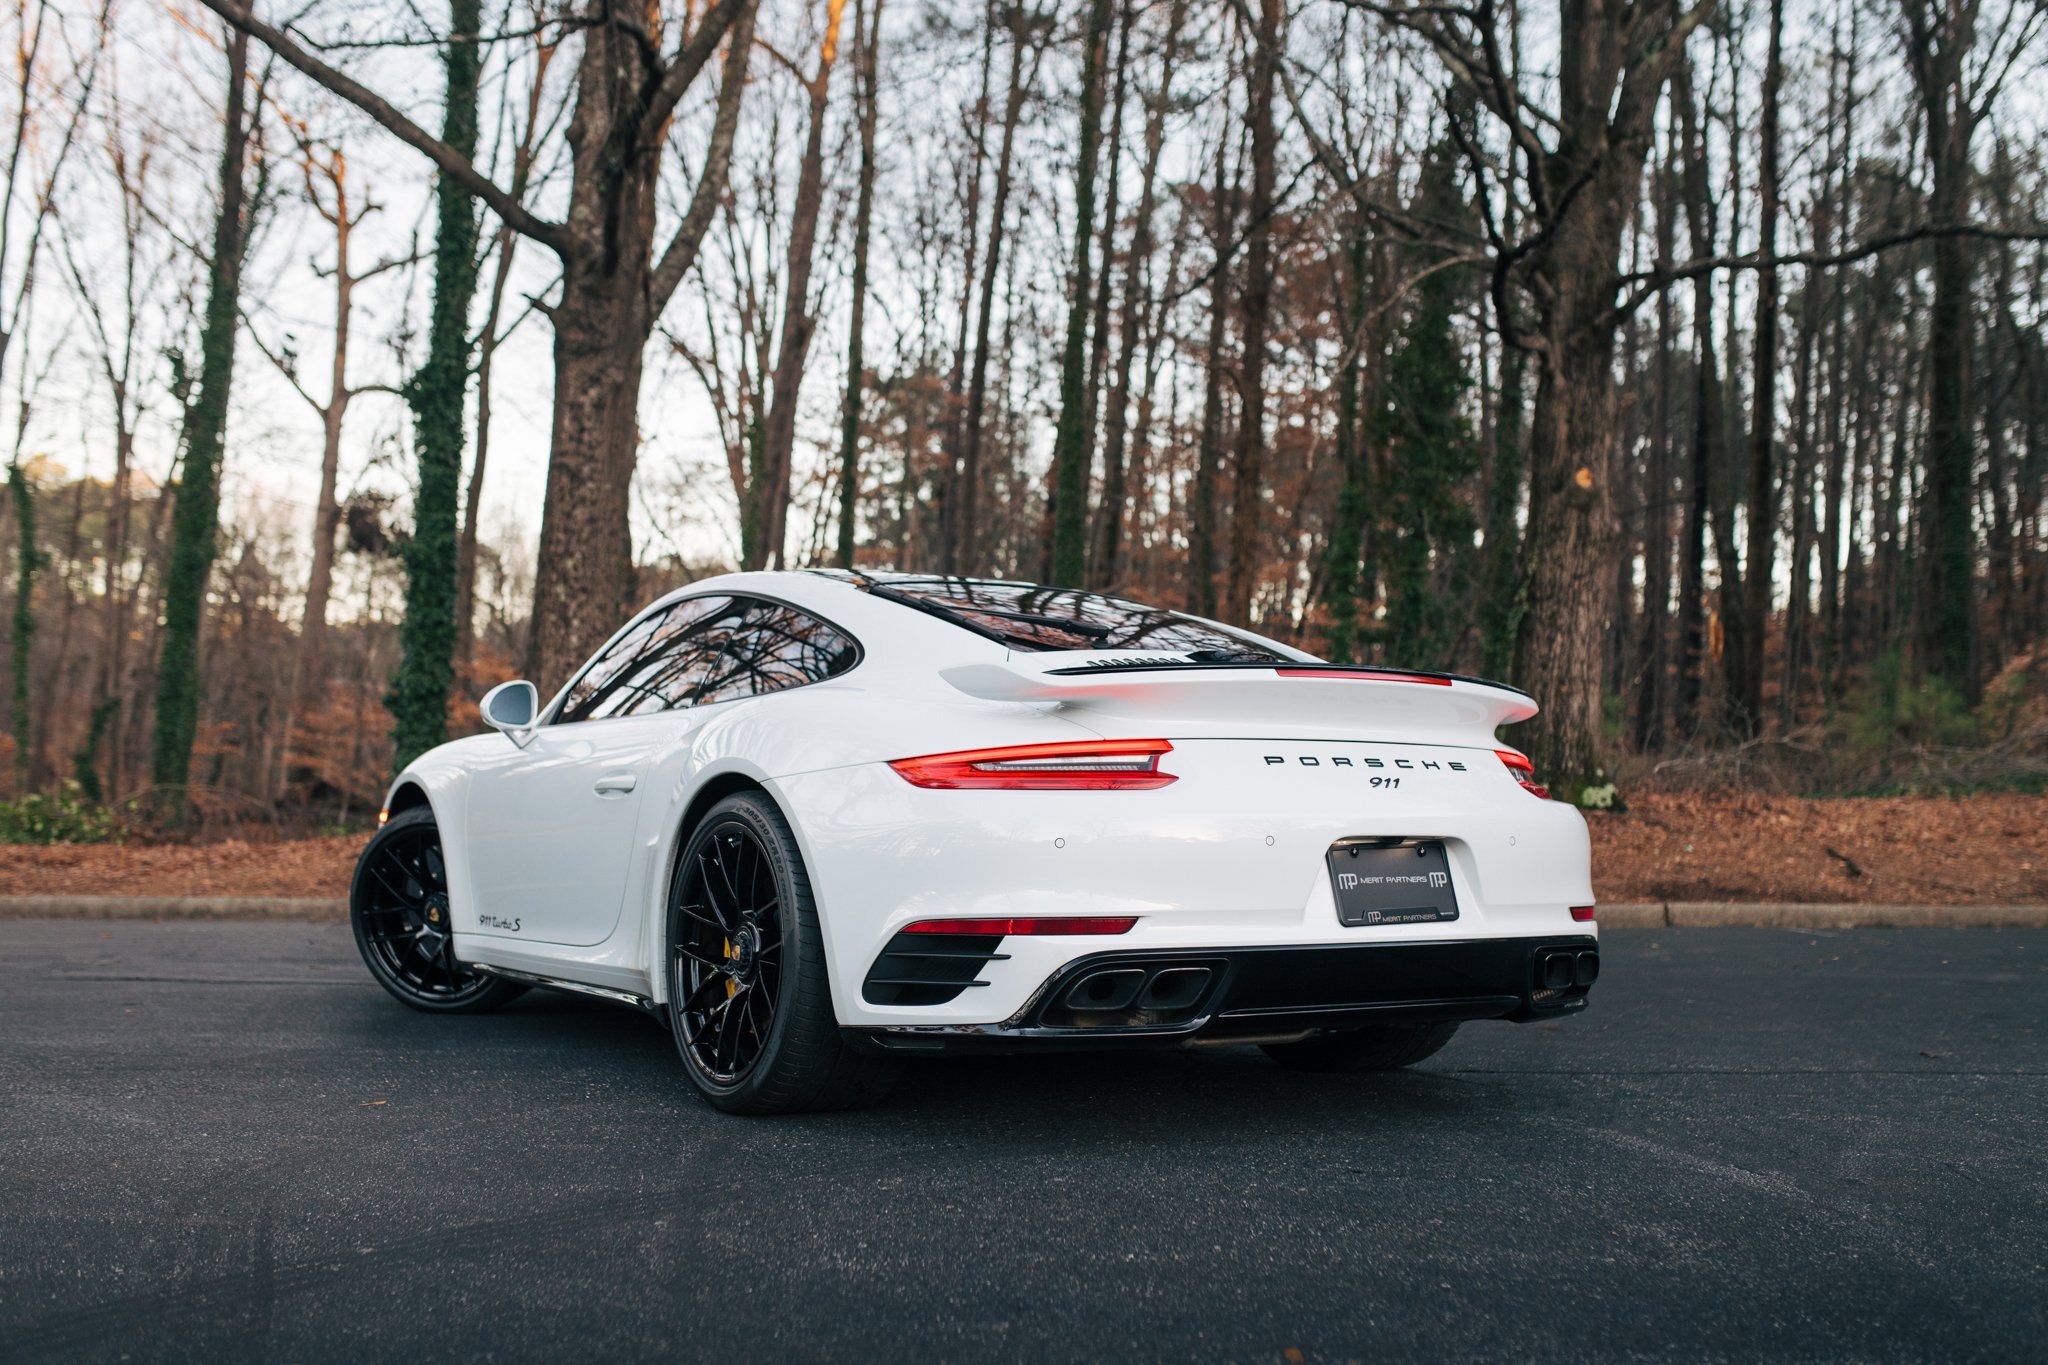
(398, 904)
(749, 1000)
(1386, 1047)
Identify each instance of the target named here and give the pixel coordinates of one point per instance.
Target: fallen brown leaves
(1904, 850)
(1681, 846)
(226, 867)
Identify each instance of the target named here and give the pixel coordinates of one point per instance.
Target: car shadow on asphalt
(1162, 1094)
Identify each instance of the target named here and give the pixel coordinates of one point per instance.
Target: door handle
(616, 784)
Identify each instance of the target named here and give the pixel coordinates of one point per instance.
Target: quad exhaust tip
(1115, 996)
(1559, 970)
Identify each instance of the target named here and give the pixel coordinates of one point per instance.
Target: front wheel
(398, 903)
(748, 996)
(1386, 1047)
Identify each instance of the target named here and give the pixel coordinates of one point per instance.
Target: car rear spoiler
(1297, 693)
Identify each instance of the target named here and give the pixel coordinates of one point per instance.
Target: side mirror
(513, 707)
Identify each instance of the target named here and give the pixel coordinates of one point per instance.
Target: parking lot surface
(222, 1142)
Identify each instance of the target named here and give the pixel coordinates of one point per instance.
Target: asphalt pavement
(221, 1142)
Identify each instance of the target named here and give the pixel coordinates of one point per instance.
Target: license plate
(1408, 883)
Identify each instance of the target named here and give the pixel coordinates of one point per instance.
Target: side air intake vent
(929, 969)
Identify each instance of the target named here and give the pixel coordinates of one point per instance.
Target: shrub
(64, 818)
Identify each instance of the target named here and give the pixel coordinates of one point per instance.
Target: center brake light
(1524, 772)
(1363, 675)
(1071, 765)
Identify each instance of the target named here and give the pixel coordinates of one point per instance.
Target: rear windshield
(1026, 616)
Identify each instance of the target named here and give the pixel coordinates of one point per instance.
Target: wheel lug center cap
(437, 908)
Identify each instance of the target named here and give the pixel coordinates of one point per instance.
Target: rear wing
(1338, 697)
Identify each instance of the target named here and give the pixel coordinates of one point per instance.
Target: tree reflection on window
(707, 649)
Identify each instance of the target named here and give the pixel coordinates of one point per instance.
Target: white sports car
(822, 821)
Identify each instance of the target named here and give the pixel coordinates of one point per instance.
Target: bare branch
(451, 163)
(681, 252)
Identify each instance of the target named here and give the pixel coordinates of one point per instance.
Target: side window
(652, 667)
(773, 647)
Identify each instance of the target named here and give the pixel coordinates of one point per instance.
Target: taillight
(1096, 925)
(1583, 913)
(1524, 772)
(1072, 765)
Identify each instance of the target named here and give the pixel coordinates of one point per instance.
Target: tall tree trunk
(1610, 70)
(868, 35)
(28, 558)
(964, 507)
(955, 426)
(613, 288)
(196, 522)
(1202, 510)
(309, 665)
(1940, 37)
(1657, 540)
(1068, 493)
(1248, 488)
(1705, 437)
(799, 323)
(1838, 391)
(1343, 545)
(1104, 560)
(1747, 705)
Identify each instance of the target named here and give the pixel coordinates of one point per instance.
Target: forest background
(1686, 366)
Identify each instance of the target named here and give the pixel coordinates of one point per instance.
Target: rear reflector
(1073, 765)
(1100, 925)
(1524, 772)
(1362, 675)
(1583, 913)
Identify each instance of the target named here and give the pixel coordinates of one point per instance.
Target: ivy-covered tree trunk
(1071, 451)
(195, 524)
(426, 674)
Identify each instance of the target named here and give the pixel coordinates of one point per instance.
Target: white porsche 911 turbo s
(823, 821)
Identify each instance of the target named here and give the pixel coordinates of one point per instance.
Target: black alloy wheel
(728, 958)
(398, 903)
(749, 999)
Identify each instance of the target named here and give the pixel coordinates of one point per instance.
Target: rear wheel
(398, 903)
(749, 999)
(1385, 1047)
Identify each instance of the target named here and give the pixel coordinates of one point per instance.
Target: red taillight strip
(1096, 925)
(1070, 765)
(1358, 675)
(1524, 772)
(1583, 913)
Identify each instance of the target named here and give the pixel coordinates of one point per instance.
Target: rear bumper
(1244, 994)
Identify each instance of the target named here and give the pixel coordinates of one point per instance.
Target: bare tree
(868, 39)
(799, 318)
(617, 276)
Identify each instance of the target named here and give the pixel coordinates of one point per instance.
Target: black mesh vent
(929, 969)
